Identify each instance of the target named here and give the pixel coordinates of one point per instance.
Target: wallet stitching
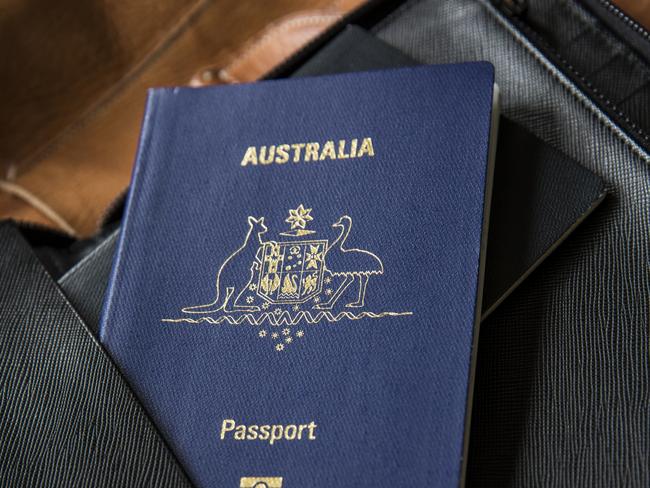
(570, 87)
(571, 69)
(629, 22)
(602, 35)
(605, 35)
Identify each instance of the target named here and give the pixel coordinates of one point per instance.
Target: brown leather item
(274, 45)
(71, 129)
(59, 58)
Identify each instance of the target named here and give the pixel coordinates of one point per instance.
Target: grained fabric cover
(67, 418)
(562, 386)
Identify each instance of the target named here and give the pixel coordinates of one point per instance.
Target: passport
(296, 290)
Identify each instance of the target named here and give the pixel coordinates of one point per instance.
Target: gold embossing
(353, 148)
(311, 151)
(272, 283)
(282, 154)
(250, 156)
(289, 286)
(296, 151)
(260, 482)
(271, 433)
(328, 151)
(266, 155)
(299, 217)
(341, 154)
(366, 148)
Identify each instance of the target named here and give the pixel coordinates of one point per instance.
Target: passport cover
(296, 290)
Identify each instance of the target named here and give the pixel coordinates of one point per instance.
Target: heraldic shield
(291, 272)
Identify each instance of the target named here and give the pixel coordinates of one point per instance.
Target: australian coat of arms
(282, 286)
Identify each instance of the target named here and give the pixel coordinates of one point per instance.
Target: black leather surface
(85, 284)
(58, 252)
(67, 417)
(622, 25)
(540, 196)
(354, 49)
(613, 74)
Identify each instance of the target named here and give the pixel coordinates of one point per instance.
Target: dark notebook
(540, 195)
(296, 290)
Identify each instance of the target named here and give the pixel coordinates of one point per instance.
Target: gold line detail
(285, 318)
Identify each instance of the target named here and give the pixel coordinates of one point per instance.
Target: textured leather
(67, 418)
(354, 49)
(622, 25)
(85, 284)
(540, 196)
(610, 72)
(562, 387)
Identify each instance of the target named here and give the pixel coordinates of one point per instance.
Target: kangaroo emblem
(230, 286)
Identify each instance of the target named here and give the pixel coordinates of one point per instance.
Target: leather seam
(567, 84)
(634, 147)
(571, 69)
(629, 22)
(605, 35)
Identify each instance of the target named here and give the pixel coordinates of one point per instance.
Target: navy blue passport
(296, 291)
